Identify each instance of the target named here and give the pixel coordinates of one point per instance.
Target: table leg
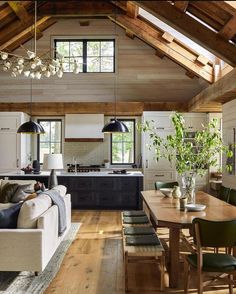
(174, 234)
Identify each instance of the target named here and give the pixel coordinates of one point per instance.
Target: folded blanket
(58, 200)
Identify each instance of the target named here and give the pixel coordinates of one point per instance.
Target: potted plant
(191, 155)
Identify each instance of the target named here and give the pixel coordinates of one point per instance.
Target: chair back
(224, 193)
(232, 197)
(160, 185)
(215, 233)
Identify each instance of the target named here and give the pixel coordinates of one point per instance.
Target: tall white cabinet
(155, 170)
(162, 170)
(14, 148)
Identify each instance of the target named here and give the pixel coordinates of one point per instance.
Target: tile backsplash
(86, 152)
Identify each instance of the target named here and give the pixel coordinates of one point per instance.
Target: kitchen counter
(78, 174)
(94, 190)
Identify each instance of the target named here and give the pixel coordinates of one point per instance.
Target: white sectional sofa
(31, 248)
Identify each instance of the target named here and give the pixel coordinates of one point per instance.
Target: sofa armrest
(21, 249)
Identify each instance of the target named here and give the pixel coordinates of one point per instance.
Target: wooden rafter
(122, 108)
(229, 29)
(222, 91)
(131, 9)
(7, 15)
(181, 5)
(191, 28)
(173, 50)
(78, 8)
(20, 11)
(27, 34)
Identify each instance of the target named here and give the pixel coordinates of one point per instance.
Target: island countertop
(67, 174)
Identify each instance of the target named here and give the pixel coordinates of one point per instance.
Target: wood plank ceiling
(212, 24)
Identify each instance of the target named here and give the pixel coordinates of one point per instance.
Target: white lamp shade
(53, 161)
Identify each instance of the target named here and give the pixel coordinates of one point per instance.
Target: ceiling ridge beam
(192, 28)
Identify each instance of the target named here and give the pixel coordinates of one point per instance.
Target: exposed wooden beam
(7, 15)
(160, 54)
(20, 11)
(167, 37)
(202, 60)
(181, 5)
(27, 34)
(191, 28)
(129, 34)
(78, 8)
(60, 108)
(131, 9)
(229, 29)
(190, 74)
(222, 91)
(174, 50)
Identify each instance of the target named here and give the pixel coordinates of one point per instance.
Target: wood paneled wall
(229, 123)
(142, 76)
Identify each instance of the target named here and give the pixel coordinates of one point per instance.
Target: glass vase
(188, 186)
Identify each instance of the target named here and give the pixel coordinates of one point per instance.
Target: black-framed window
(51, 141)
(123, 144)
(92, 55)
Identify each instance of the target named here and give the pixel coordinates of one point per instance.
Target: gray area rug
(27, 282)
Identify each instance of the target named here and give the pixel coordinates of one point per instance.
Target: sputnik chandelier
(31, 65)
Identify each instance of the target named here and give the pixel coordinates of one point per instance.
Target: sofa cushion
(6, 205)
(7, 191)
(61, 189)
(21, 193)
(19, 182)
(9, 216)
(31, 211)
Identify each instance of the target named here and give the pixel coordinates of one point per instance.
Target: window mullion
(84, 55)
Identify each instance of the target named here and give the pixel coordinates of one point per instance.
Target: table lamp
(52, 162)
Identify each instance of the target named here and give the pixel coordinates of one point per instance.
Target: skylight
(187, 41)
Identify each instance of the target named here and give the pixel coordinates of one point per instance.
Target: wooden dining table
(166, 212)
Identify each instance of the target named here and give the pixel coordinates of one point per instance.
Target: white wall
(229, 122)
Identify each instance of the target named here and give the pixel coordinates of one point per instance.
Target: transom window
(51, 141)
(123, 144)
(91, 55)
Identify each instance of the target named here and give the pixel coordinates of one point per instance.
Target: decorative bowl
(166, 191)
(195, 207)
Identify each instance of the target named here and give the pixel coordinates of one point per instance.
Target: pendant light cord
(35, 31)
(115, 81)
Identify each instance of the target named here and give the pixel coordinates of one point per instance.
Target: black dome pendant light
(31, 127)
(115, 126)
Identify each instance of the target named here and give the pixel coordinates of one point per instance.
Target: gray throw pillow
(7, 191)
(21, 193)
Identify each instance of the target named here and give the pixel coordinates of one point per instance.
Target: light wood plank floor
(94, 262)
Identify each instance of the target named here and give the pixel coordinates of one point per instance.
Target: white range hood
(84, 127)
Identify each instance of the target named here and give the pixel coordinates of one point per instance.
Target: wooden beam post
(131, 9)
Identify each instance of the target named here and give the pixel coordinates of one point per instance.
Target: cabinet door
(9, 151)
(10, 123)
(151, 162)
(83, 199)
(81, 183)
(107, 199)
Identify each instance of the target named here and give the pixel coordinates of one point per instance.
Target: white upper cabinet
(194, 121)
(84, 127)
(160, 119)
(14, 148)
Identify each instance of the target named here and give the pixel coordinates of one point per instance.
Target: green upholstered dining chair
(232, 197)
(159, 185)
(215, 234)
(224, 193)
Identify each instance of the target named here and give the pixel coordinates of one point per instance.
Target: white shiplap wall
(229, 122)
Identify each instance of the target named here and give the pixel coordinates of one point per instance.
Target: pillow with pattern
(7, 192)
(21, 193)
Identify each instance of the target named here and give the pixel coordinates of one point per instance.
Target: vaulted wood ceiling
(212, 24)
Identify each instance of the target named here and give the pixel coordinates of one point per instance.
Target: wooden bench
(143, 253)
